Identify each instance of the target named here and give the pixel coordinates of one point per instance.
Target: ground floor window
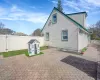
(64, 35)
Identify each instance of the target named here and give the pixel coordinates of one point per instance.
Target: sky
(27, 15)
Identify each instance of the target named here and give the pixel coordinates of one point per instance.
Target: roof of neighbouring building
(33, 40)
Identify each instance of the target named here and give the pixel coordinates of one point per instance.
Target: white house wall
(55, 30)
(80, 18)
(83, 41)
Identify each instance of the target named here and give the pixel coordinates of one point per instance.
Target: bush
(84, 49)
(97, 38)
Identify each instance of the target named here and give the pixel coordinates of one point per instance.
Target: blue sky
(28, 15)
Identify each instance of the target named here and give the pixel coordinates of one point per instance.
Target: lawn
(44, 47)
(13, 53)
(19, 52)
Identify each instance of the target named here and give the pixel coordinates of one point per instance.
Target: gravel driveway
(52, 65)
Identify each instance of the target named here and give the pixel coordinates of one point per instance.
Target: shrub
(84, 49)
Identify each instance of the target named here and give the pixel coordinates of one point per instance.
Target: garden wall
(12, 42)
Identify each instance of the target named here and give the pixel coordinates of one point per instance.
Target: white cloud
(87, 25)
(15, 9)
(2, 11)
(94, 2)
(95, 12)
(71, 4)
(15, 13)
(54, 2)
(82, 5)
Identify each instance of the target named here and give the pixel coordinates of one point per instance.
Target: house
(33, 47)
(66, 31)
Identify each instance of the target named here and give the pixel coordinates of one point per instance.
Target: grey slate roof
(33, 40)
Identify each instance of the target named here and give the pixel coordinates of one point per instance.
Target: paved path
(92, 52)
(98, 65)
(52, 65)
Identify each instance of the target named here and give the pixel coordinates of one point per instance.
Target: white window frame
(62, 35)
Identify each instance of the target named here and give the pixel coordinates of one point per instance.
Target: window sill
(47, 40)
(64, 40)
(54, 22)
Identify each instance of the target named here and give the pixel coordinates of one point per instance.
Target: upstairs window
(54, 18)
(47, 36)
(64, 35)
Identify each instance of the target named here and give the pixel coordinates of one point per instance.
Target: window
(47, 36)
(54, 18)
(32, 46)
(65, 35)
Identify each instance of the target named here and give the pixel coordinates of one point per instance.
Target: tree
(37, 32)
(1, 25)
(98, 28)
(20, 34)
(59, 6)
(4, 30)
(95, 29)
(98, 24)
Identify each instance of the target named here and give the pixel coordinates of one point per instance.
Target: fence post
(6, 43)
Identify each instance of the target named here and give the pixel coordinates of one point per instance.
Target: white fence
(11, 42)
(95, 42)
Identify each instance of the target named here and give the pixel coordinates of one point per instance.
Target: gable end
(80, 26)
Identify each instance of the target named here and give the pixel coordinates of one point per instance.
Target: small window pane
(54, 16)
(65, 37)
(64, 32)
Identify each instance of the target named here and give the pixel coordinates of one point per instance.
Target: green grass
(19, 52)
(14, 53)
(44, 47)
(84, 49)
